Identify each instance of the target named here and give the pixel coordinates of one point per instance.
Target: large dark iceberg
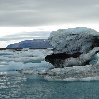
(72, 43)
(73, 53)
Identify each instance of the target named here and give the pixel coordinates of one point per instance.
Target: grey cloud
(47, 12)
(26, 35)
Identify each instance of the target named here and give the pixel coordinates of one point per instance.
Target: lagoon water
(19, 86)
(15, 85)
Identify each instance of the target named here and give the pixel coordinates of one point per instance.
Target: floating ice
(12, 60)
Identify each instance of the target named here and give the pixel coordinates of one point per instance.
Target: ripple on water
(28, 87)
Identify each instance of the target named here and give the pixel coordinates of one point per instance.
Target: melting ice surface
(14, 85)
(11, 60)
(95, 59)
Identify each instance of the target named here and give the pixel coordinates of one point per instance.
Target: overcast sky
(47, 12)
(40, 13)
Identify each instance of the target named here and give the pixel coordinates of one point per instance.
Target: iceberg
(25, 59)
(75, 55)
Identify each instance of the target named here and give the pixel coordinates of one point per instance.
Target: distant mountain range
(36, 43)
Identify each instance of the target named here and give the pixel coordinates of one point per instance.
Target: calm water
(28, 87)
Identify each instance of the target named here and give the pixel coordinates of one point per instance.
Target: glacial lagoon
(17, 85)
(29, 87)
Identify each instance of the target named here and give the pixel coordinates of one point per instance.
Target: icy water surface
(19, 86)
(15, 85)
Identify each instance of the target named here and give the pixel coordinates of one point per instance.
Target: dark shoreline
(21, 48)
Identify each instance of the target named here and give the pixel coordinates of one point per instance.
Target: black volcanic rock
(36, 43)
